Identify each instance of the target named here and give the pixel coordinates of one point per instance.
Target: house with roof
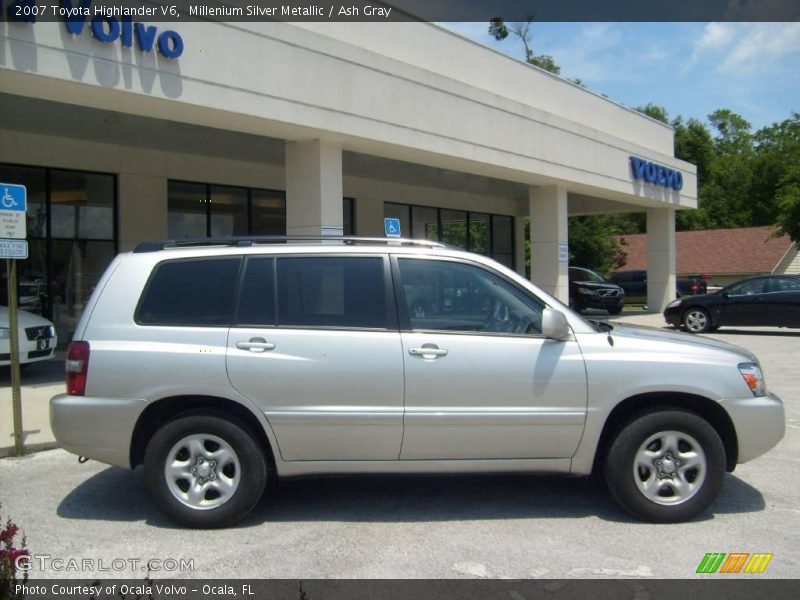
(721, 255)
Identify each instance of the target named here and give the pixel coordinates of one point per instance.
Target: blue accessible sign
(13, 204)
(392, 227)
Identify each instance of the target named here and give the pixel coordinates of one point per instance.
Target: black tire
(615, 311)
(664, 504)
(243, 462)
(696, 320)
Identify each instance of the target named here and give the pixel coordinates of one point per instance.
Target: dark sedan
(587, 289)
(771, 300)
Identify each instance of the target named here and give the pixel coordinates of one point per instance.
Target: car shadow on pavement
(118, 495)
(755, 331)
(46, 372)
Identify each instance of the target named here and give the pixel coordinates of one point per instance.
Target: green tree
(787, 200)
(694, 144)
(654, 111)
(499, 30)
(592, 243)
(775, 168)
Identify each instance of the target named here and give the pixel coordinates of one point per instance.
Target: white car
(37, 337)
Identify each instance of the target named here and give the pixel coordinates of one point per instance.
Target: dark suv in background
(587, 289)
(635, 285)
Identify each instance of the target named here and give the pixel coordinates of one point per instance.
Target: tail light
(77, 368)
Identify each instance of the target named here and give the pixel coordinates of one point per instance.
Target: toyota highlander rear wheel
(665, 466)
(204, 471)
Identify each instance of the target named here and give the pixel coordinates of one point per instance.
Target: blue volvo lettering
(105, 28)
(656, 174)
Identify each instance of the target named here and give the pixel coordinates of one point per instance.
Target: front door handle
(428, 351)
(256, 344)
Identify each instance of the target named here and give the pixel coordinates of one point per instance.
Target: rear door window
(197, 292)
(346, 292)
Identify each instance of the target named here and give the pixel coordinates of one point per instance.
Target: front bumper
(29, 350)
(760, 424)
(601, 301)
(673, 316)
(98, 428)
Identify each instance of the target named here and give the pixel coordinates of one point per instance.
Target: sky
(691, 69)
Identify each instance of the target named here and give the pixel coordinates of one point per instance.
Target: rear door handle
(256, 345)
(428, 351)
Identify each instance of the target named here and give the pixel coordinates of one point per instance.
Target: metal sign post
(13, 247)
(13, 338)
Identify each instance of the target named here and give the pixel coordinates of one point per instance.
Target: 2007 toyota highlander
(216, 363)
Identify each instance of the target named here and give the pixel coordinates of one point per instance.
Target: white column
(660, 258)
(549, 238)
(313, 188)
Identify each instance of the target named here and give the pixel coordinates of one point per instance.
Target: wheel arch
(165, 409)
(704, 407)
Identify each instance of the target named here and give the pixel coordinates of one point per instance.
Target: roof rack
(248, 241)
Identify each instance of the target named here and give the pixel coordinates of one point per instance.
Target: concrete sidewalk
(42, 381)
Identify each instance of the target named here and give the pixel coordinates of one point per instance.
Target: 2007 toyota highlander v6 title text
(214, 363)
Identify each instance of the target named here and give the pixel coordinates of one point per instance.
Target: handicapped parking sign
(392, 227)
(13, 204)
(13, 197)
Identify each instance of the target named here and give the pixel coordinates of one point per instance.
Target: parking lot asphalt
(420, 527)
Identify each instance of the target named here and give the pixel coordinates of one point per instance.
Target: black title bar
(404, 10)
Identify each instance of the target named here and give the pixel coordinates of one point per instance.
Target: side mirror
(555, 325)
(726, 295)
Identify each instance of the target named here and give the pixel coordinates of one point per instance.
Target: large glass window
(457, 297)
(425, 222)
(331, 292)
(482, 233)
(71, 239)
(402, 212)
(228, 211)
(197, 210)
(188, 211)
(190, 292)
(348, 216)
(268, 215)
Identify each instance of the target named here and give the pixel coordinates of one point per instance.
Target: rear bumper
(97, 428)
(760, 424)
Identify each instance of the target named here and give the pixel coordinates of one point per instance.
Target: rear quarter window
(196, 292)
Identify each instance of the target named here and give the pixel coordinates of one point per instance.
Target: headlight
(754, 378)
(586, 291)
(674, 303)
(3, 333)
(51, 332)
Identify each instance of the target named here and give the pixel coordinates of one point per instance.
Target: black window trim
(402, 304)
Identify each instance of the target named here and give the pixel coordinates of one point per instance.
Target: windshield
(598, 326)
(577, 274)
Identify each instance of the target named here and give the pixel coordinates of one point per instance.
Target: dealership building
(125, 132)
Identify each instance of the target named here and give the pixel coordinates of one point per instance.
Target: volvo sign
(656, 174)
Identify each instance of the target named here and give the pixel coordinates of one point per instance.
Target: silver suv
(221, 364)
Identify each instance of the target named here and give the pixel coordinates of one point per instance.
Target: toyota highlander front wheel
(665, 466)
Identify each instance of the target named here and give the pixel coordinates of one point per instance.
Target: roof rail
(248, 241)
